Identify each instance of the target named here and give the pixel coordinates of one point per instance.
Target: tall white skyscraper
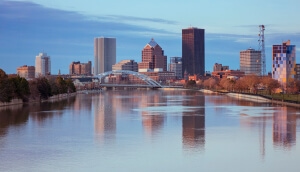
(42, 65)
(104, 54)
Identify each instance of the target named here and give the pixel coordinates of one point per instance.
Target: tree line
(16, 87)
(246, 84)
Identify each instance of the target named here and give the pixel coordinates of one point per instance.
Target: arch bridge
(148, 82)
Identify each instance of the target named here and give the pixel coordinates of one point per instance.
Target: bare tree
(240, 85)
(292, 86)
(270, 84)
(252, 82)
(210, 83)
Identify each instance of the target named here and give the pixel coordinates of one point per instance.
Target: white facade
(250, 62)
(104, 54)
(42, 65)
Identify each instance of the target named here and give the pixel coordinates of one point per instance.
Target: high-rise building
(176, 66)
(126, 65)
(284, 62)
(193, 51)
(104, 54)
(250, 61)
(27, 72)
(42, 65)
(77, 68)
(153, 57)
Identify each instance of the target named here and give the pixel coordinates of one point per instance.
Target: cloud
(27, 28)
(119, 18)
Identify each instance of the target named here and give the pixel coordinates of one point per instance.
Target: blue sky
(66, 29)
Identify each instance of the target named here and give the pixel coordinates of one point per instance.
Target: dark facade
(193, 51)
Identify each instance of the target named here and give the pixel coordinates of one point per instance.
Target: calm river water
(154, 130)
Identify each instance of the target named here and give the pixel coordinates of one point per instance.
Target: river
(149, 130)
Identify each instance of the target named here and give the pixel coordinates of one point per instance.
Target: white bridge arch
(150, 82)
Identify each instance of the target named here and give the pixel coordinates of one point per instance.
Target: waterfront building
(104, 54)
(176, 66)
(250, 61)
(228, 73)
(284, 62)
(153, 57)
(77, 68)
(42, 65)
(297, 70)
(160, 76)
(83, 83)
(126, 65)
(220, 67)
(27, 72)
(193, 51)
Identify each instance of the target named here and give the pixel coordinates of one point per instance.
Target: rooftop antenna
(261, 47)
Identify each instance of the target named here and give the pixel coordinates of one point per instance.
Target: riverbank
(258, 98)
(255, 98)
(51, 99)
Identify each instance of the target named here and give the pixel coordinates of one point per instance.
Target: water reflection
(39, 113)
(105, 116)
(193, 123)
(83, 102)
(152, 120)
(152, 123)
(12, 116)
(142, 129)
(284, 127)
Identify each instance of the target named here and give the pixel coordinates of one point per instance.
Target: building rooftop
(152, 43)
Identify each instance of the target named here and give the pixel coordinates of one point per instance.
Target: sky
(65, 30)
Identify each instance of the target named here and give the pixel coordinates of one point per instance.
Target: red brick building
(153, 57)
(228, 73)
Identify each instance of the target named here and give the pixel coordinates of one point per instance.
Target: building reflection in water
(284, 127)
(152, 120)
(82, 103)
(105, 117)
(193, 123)
(152, 123)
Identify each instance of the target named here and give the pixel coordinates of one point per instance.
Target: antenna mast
(261, 47)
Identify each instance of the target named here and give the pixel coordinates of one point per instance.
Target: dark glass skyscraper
(193, 51)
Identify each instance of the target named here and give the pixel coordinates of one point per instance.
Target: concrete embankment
(249, 97)
(12, 102)
(255, 98)
(261, 99)
(172, 88)
(208, 91)
(59, 97)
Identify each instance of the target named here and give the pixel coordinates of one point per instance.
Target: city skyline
(66, 31)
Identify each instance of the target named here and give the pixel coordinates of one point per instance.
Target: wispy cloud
(118, 18)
